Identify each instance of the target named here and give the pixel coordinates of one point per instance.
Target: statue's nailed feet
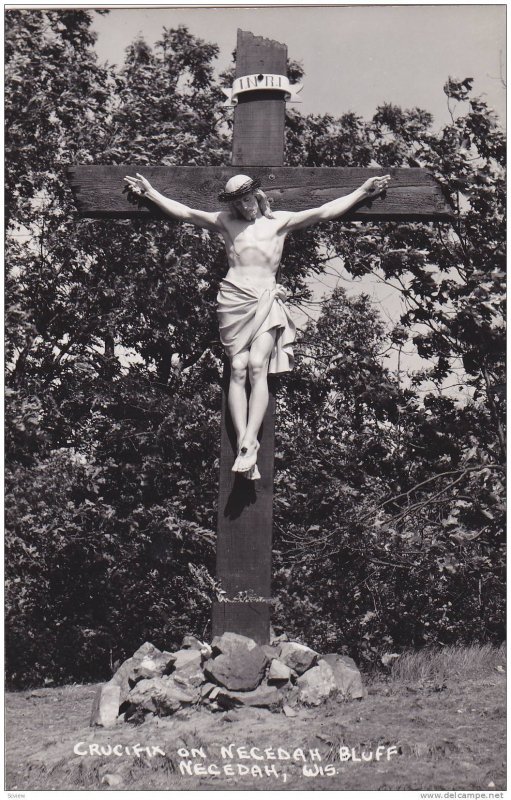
(247, 460)
(253, 474)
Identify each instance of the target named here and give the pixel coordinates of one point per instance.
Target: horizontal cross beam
(413, 193)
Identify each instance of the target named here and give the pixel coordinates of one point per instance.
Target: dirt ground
(444, 736)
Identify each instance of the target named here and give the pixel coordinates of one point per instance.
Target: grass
(443, 663)
(443, 711)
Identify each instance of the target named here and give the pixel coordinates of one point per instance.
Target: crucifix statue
(255, 327)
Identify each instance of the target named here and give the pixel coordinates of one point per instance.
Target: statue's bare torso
(253, 247)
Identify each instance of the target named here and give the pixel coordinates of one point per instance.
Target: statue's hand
(281, 292)
(139, 185)
(374, 186)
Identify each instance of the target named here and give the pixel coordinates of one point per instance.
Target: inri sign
(247, 83)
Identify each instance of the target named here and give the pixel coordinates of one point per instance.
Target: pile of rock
(234, 671)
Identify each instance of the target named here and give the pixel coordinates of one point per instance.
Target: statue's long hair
(262, 202)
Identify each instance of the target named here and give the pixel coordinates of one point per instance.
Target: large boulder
(160, 695)
(272, 651)
(230, 642)
(347, 676)
(152, 667)
(276, 640)
(317, 684)
(187, 669)
(191, 643)
(126, 677)
(187, 660)
(190, 682)
(209, 690)
(297, 656)
(263, 697)
(105, 707)
(240, 665)
(279, 672)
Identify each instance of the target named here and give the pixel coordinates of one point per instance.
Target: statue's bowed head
(239, 187)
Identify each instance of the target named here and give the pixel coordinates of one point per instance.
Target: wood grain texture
(260, 116)
(413, 193)
(248, 619)
(245, 509)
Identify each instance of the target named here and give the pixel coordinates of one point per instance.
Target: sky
(355, 58)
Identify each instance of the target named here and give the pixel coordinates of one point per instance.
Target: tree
(389, 515)
(113, 364)
(411, 557)
(87, 301)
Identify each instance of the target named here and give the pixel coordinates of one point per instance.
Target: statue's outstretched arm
(335, 208)
(203, 219)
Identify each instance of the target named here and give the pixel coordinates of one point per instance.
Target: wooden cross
(245, 507)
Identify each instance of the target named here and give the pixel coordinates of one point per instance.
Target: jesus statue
(255, 327)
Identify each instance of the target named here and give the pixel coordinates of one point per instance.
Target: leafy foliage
(395, 509)
(403, 522)
(389, 494)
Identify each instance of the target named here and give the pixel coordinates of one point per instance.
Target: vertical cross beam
(245, 508)
(260, 115)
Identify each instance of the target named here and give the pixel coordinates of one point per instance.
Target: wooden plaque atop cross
(245, 508)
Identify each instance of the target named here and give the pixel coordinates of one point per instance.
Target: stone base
(234, 671)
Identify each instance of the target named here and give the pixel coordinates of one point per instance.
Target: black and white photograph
(255, 382)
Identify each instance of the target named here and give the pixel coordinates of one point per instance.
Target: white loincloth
(245, 312)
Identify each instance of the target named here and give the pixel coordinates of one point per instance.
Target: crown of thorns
(245, 188)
